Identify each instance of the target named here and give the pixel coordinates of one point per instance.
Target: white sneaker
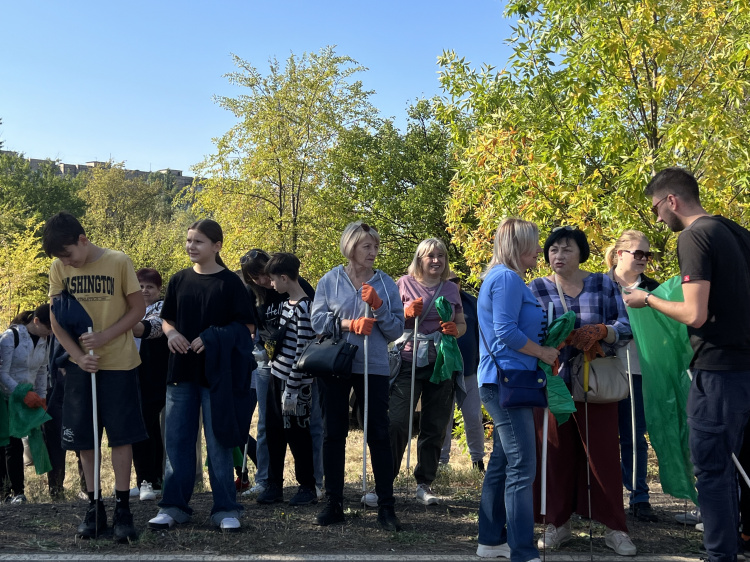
(496, 551)
(256, 490)
(619, 542)
(319, 492)
(161, 521)
(690, 517)
(230, 524)
(425, 495)
(370, 499)
(147, 492)
(555, 537)
(699, 527)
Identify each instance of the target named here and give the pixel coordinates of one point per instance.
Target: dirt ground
(450, 527)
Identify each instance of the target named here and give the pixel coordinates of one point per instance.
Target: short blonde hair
(513, 239)
(353, 234)
(424, 248)
(623, 242)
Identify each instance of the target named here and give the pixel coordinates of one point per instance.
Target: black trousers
(148, 455)
(292, 430)
(336, 421)
(11, 467)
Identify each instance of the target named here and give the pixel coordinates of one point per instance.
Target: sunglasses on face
(655, 207)
(640, 254)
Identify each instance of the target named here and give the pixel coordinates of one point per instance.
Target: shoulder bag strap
(429, 306)
(560, 293)
(484, 341)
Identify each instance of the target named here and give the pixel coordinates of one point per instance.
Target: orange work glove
(556, 367)
(594, 351)
(33, 400)
(586, 336)
(370, 296)
(449, 329)
(362, 326)
(414, 308)
(44, 404)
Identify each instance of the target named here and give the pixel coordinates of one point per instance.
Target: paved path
(331, 557)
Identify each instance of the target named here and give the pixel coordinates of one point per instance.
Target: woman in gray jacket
(346, 293)
(23, 359)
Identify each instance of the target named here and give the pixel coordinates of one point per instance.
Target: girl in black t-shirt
(204, 296)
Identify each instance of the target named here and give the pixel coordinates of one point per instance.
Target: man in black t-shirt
(713, 253)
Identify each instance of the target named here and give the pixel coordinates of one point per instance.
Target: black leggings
(11, 467)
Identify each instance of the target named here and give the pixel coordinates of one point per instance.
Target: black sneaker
(332, 513)
(642, 512)
(122, 522)
(88, 527)
(272, 494)
(304, 496)
(387, 518)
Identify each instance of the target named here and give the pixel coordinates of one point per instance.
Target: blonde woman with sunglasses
(627, 259)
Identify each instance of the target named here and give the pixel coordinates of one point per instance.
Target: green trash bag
(25, 421)
(665, 354)
(448, 359)
(558, 396)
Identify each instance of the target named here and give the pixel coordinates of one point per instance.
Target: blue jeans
(624, 420)
(184, 402)
(717, 410)
(316, 432)
(261, 388)
(506, 510)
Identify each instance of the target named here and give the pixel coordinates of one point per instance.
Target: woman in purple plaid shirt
(601, 327)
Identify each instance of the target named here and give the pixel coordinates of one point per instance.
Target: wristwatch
(645, 301)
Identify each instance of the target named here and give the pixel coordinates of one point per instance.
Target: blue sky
(133, 81)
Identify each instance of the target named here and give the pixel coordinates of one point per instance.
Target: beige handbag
(608, 380)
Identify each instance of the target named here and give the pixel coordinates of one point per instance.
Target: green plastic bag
(448, 360)
(25, 421)
(665, 354)
(558, 396)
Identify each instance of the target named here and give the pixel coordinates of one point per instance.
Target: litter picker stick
(741, 470)
(367, 408)
(95, 421)
(632, 417)
(411, 394)
(586, 369)
(545, 434)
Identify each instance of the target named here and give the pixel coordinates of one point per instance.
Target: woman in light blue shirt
(511, 322)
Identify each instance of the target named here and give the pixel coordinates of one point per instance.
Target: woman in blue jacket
(511, 322)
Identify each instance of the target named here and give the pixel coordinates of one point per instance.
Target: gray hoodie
(335, 295)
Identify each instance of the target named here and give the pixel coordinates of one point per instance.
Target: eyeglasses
(251, 255)
(569, 228)
(640, 254)
(367, 228)
(655, 208)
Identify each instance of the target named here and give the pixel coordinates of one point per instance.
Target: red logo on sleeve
(686, 279)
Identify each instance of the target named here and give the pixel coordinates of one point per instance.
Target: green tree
(596, 97)
(397, 182)
(262, 183)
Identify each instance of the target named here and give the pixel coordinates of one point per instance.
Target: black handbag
(519, 388)
(329, 357)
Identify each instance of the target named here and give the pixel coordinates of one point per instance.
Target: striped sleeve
(298, 334)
